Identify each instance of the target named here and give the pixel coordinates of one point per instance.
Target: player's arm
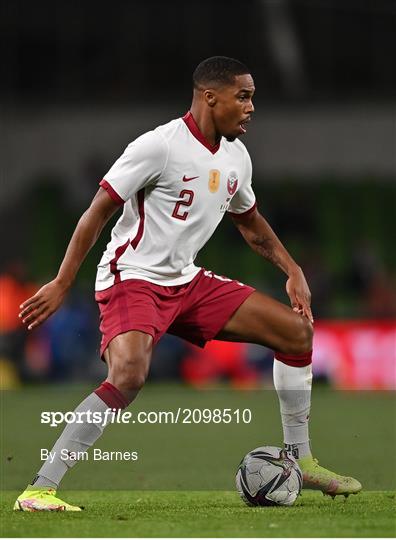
(261, 238)
(38, 308)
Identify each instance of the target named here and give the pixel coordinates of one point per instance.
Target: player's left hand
(299, 294)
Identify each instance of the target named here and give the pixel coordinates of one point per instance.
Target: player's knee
(130, 373)
(301, 341)
(133, 379)
(305, 335)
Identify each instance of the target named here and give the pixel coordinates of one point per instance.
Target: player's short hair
(218, 70)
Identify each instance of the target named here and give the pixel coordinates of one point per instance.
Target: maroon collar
(192, 126)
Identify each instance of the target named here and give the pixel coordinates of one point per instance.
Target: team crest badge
(214, 180)
(232, 182)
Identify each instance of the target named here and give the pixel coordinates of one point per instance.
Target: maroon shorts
(195, 311)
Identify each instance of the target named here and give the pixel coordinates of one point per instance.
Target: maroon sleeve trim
(140, 198)
(252, 209)
(111, 192)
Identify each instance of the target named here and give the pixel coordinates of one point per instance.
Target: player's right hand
(37, 309)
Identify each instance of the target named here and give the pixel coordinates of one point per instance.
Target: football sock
(293, 383)
(42, 481)
(78, 437)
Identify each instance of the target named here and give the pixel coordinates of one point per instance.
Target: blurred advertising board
(350, 355)
(358, 355)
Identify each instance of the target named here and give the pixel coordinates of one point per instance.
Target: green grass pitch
(182, 485)
(206, 514)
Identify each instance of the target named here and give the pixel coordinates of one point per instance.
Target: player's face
(234, 107)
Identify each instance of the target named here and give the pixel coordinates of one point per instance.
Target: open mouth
(243, 125)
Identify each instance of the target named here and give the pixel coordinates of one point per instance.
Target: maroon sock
(295, 360)
(111, 396)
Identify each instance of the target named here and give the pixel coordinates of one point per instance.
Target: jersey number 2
(187, 197)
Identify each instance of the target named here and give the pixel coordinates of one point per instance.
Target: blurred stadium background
(82, 79)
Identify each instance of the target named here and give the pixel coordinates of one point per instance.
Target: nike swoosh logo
(185, 179)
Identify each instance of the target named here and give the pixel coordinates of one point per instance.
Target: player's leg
(262, 320)
(265, 321)
(128, 358)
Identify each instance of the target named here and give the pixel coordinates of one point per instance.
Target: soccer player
(174, 185)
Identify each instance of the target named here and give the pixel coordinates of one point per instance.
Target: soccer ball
(267, 476)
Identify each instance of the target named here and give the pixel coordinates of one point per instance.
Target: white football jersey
(175, 188)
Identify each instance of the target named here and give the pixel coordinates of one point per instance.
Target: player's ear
(210, 97)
